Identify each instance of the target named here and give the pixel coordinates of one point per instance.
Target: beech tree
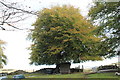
(62, 34)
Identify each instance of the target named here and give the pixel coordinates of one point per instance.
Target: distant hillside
(7, 70)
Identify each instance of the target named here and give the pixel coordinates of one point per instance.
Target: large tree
(3, 58)
(61, 34)
(106, 15)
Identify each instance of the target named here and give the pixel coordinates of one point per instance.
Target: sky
(17, 43)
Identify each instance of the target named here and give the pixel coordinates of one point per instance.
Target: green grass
(75, 75)
(102, 75)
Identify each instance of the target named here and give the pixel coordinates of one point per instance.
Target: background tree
(13, 12)
(61, 34)
(106, 15)
(3, 58)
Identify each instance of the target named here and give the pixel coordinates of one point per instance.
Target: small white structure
(94, 69)
(117, 73)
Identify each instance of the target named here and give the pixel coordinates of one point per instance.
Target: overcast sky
(16, 47)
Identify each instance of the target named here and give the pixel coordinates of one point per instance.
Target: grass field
(75, 75)
(102, 75)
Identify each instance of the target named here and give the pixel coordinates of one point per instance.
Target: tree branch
(13, 26)
(2, 28)
(10, 14)
(10, 7)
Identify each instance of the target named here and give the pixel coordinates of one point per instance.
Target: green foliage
(107, 15)
(61, 34)
(2, 56)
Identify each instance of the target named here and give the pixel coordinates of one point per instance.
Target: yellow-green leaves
(62, 34)
(93, 58)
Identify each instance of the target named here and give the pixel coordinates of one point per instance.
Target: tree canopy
(106, 15)
(62, 34)
(3, 58)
